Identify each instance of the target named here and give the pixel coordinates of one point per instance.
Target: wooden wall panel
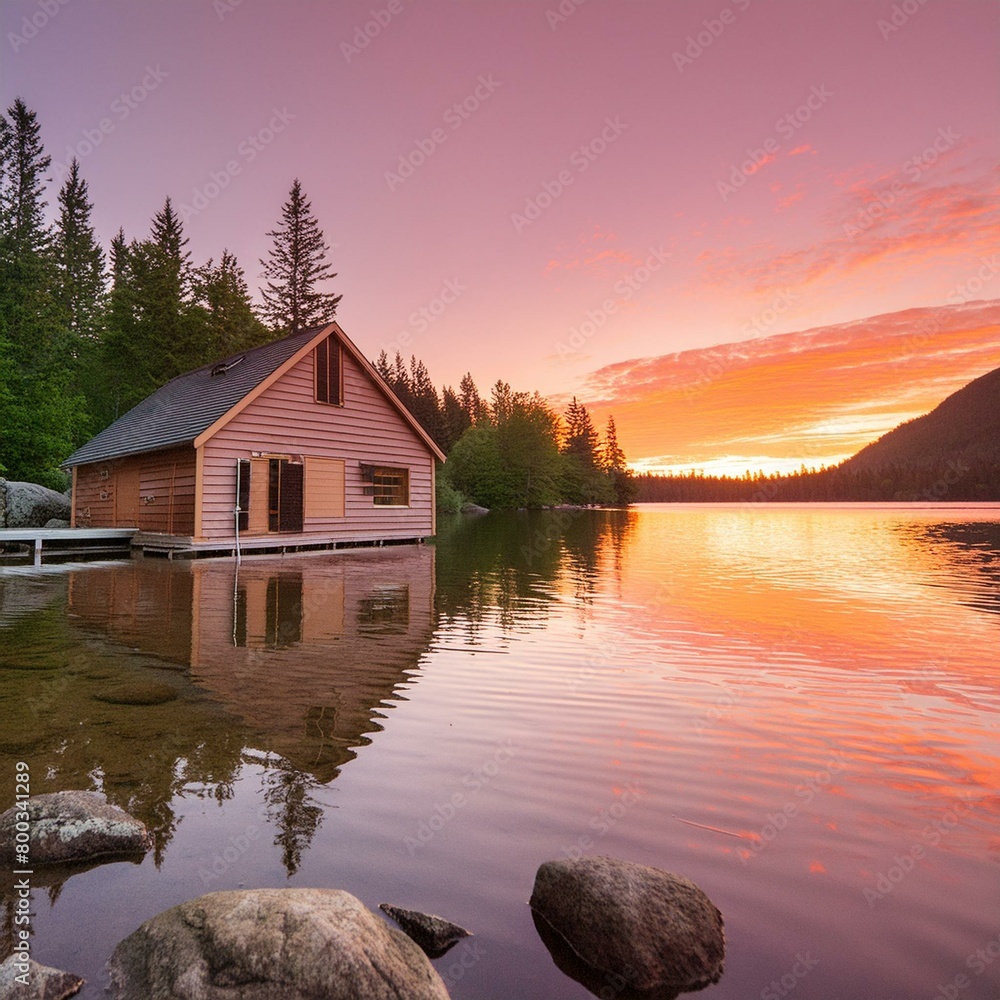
(166, 492)
(324, 487)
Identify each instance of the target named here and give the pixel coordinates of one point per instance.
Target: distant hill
(951, 453)
(964, 428)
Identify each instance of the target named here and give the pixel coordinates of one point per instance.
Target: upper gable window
(329, 372)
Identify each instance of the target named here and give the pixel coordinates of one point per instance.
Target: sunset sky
(758, 232)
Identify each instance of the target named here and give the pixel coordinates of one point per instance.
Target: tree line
(511, 449)
(966, 480)
(86, 334)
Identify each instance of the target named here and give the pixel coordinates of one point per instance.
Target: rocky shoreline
(619, 928)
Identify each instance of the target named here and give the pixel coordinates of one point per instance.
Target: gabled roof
(190, 408)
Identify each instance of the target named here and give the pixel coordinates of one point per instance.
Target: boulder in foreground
(38, 983)
(28, 505)
(72, 826)
(272, 944)
(654, 933)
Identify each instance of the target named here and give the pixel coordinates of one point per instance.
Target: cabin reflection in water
(304, 650)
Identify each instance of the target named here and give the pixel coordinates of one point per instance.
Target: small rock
(654, 930)
(271, 944)
(31, 981)
(56, 522)
(474, 508)
(73, 826)
(435, 935)
(149, 693)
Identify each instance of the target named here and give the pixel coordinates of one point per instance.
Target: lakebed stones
(28, 505)
(639, 930)
(137, 693)
(71, 826)
(272, 944)
(27, 980)
(434, 935)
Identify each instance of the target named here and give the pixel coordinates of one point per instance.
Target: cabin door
(269, 495)
(284, 495)
(126, 496)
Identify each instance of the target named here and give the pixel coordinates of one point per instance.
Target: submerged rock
(655, 933)
(138, 693)
(272, 944)
(72, 826)
(435, 935)
(31, 981)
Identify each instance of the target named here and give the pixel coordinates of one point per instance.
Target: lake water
(797, 707)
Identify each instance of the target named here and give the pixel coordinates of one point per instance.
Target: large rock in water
(72, 826)
(27, 505)
(272, 944)
(639, 930)
(39, 982)
(435, 935)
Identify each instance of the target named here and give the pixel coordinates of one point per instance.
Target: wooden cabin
(298, 443)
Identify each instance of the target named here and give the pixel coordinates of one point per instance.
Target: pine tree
(399, 380)
(120, 357)
(424, 403)
(228, 318)
(612, 456)
(154, 331)
(581, 437)
(26, 240)
(454, 419)
(501, 402)
(583, 481)
(296, 268)
(470, 399)
(41, 413)
(80, 269)
(613, 463)
(167, 232)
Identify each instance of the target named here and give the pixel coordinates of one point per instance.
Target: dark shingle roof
(189, 404)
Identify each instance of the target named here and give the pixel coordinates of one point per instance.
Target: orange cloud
(813, 397)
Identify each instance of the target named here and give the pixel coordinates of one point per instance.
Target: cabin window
(391, 486)
(329, 372)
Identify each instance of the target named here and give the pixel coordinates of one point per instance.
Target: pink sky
(537, 196)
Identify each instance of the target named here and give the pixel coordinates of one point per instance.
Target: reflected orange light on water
(830, 663)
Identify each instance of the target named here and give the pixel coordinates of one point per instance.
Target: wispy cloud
(815, 396)
(910, 215)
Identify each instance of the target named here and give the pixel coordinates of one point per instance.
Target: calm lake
(797, 707)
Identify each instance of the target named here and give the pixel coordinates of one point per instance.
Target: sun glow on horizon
(802, 400)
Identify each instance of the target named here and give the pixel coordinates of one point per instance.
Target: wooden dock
(154, 544)
(41, 545)
(47, 544)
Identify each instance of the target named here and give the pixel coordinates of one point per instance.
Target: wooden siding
(166, 492)
(286, 419)
(154, 492)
